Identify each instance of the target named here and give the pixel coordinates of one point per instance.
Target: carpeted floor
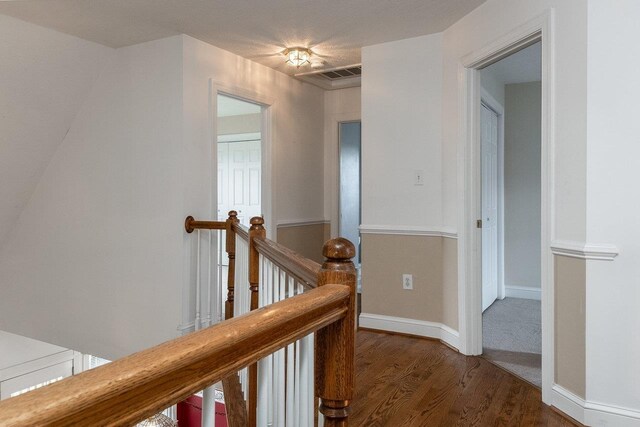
(512, 337)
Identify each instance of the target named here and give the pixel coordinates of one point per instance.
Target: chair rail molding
(302, 222)
(410, 230)
(585, 250)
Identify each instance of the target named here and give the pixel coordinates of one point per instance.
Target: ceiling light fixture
(297, 56)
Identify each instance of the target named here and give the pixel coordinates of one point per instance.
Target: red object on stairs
(190, 413)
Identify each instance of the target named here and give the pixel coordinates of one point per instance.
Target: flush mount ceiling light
(297, 56)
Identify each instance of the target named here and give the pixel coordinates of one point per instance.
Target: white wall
(483, 26)
(613, 205)
(492, 84)
(44, 79)
(339, 106)
(297, 138)
(93, 262)
(522, 137)
(297, 146)
(402, 122)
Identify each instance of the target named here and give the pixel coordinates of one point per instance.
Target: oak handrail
(241, 231)
(135, 387)
(302, 269)
(190, 224)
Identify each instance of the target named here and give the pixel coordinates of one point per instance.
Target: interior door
(239, 179)
(489, 143)
(349, 228)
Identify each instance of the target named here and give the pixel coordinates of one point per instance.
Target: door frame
(493, 104)
(267, 196)
(332, 166)
(469, 238)
(338, 224)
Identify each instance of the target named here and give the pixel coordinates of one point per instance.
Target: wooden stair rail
(133, 388)
(335, 344)
(302, 269)
(190, 224)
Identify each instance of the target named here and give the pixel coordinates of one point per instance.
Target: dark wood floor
(405, 381)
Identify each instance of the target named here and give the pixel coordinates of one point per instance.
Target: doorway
(349, 137)
(239, 146)
(510, 145)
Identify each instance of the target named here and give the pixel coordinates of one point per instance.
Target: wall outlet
(407, 282)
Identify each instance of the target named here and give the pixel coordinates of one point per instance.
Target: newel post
(335, 344)
(230, 245)
(256, 230)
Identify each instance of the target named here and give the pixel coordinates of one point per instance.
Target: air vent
(342, 73)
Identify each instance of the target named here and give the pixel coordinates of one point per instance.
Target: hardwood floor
(406, 381)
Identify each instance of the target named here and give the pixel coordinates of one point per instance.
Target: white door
(489, 142)
(239, 170)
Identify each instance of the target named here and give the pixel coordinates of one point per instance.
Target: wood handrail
(135, 387)
(190, 224)
(241, 230)
(302, 269)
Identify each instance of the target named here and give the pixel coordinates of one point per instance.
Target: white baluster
(196, 321)
(209, 407)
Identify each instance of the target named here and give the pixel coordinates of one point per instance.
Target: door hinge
(478, 223)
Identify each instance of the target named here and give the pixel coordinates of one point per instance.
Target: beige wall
(450, 282)
(306, 239)
(522, 190)
(431, 260)
(570, 280)
(245, 123)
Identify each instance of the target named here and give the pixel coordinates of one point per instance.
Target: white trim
(302, 222)
(469, 274)
(267, 133)
(568, 402)
(593, 413)
(592, 251)
(409, 230)
(234, 137)
(523, 292)
(599, 414)
(403, 325)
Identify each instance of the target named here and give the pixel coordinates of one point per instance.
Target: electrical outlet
(407, 282)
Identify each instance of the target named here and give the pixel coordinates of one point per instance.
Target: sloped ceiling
(44, 78)
(255, 29)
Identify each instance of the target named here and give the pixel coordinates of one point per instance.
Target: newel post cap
(257, 223)
(233, 214)
(339, 249)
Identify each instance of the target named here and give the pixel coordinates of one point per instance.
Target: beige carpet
(512, 337)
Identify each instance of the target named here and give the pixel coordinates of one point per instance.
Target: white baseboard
(597, 414)
(592, 413)
(568, 402)
(412, 327)
(523, 292)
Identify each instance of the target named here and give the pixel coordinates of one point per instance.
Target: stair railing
(279, 390)
(133, 388)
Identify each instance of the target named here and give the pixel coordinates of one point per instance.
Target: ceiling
(522, 67)
(258, 30)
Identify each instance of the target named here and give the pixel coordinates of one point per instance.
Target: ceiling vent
(342, 73)
(335, 78)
